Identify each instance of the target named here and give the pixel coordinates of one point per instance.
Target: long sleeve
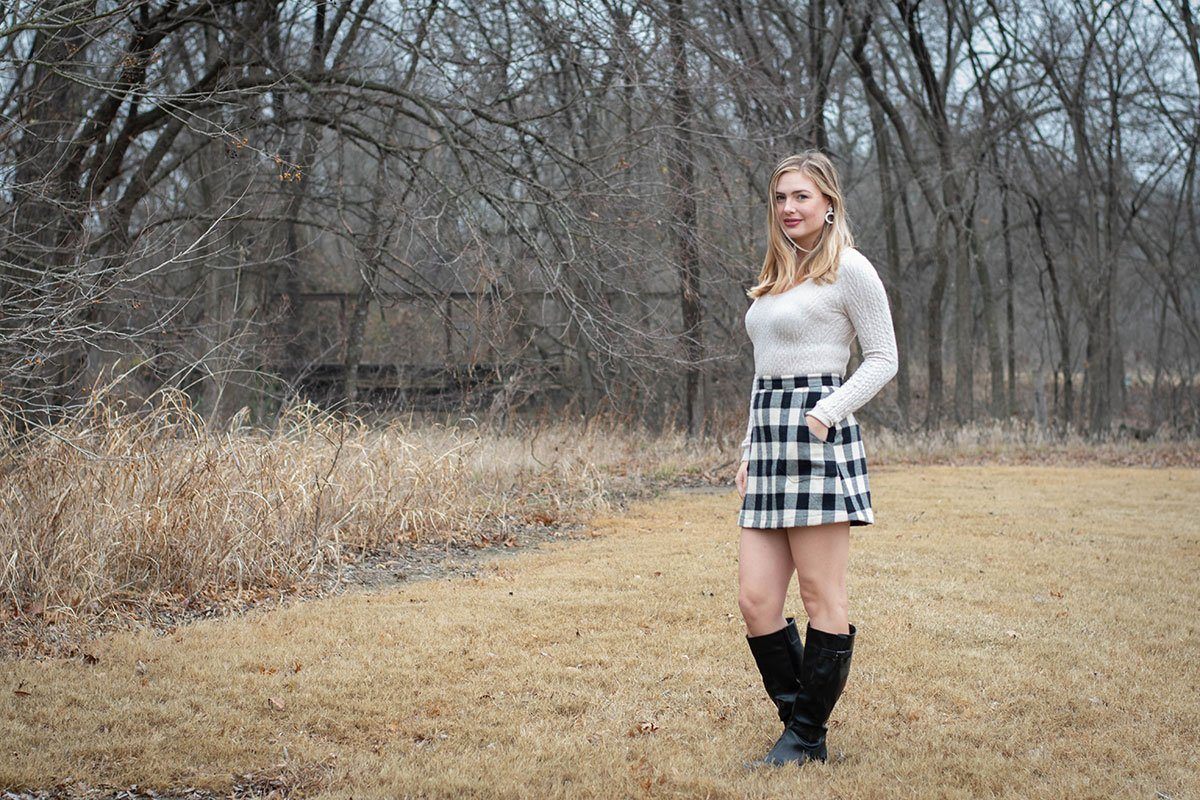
(866, 304)
(749, 428)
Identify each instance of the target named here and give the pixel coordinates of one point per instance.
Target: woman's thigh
(764, 569)
(820, 554)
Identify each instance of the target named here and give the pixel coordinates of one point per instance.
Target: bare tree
(246, 198)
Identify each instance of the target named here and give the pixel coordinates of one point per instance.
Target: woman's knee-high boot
(823, 673)
(778, 656)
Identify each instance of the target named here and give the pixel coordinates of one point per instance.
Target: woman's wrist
(821, 428)
(820, 415)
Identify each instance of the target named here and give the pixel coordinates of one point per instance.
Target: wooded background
(561, 204)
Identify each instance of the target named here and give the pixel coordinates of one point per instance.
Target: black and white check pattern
(794, 478)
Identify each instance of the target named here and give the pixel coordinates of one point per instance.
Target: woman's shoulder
(854, 258)
(855, 266)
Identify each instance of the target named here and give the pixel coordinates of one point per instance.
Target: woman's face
(800, 207)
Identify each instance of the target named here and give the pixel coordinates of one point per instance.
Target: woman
(803, 476)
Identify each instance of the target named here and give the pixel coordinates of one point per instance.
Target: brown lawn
(1024, 632)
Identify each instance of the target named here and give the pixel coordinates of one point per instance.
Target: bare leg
(764, 571)
(820, 554)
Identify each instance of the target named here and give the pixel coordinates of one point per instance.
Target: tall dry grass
(118, 508)
(1024, 442)
(115, 504)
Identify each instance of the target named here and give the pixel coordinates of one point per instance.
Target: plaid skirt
(795, 478)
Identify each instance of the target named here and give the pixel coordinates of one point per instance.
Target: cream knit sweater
(808, 329)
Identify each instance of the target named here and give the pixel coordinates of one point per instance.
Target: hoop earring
(829, 217)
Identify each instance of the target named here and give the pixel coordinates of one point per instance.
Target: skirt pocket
(804, 456)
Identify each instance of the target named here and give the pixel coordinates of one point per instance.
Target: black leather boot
(778, 655)
(823, 673)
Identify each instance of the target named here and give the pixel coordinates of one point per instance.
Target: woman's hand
(740, 480)
(819, 429)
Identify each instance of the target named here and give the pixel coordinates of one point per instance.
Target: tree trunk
(818, 29)
(285, 285)
(1062, 323)
(964, 332)
(895, 278)
(682, 185)
(933, 355)
(1010, 320)
(990, 328)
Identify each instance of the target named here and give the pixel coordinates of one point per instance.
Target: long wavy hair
(785, 265)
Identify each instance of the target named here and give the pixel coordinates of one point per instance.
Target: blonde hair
(781, 268)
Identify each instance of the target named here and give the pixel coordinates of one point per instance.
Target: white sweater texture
(808, 329)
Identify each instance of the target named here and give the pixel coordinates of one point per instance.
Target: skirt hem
(854, 523)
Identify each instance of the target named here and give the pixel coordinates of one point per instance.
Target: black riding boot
(823, 673)
(778, 656)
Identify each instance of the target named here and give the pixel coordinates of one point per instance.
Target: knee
(823, 600)
(757, 605)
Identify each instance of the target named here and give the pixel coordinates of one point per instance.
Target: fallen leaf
(642, 728)
(275, 703)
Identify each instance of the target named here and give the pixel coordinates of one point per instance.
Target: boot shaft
(823, 677)
(779, 657)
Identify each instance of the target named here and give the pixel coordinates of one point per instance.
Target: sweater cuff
(823, 414)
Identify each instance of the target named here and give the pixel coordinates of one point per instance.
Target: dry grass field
(1024, 632)
(121, 516)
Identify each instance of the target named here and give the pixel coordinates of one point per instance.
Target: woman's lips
(791, 223)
